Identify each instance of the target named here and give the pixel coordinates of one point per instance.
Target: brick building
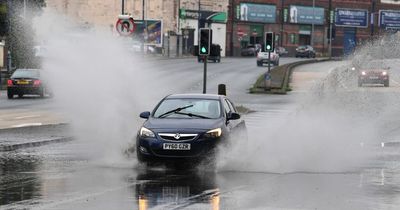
(294, 22)
(179, 17)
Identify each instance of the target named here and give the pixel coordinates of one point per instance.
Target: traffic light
(269, 41)
(205, 41)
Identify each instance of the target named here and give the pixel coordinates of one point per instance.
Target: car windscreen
(26, 73)
(374, 65)
(188, 108)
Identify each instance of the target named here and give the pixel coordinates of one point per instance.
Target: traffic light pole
(205, 75)
(269, 61)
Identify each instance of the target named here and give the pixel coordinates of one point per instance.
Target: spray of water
(101, 88)
(97, 83)
(332, 127)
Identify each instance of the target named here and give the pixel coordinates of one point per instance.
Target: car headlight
(146, 133)
(364, 73)
(353, 68)
(384, 73)
(214, 133)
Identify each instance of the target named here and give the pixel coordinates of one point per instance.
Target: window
(204, 107)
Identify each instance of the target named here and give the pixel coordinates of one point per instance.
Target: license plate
(176, 146)
(373, 77)
(22, 82)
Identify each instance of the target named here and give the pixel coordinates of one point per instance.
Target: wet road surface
(71, 176)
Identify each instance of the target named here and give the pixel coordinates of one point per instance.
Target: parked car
(372, 72)
(262, 57)
(281, 51)
(187, 128)
(26, 82)
(250, 50)
(305, 51)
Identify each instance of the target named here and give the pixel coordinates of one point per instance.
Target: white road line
(26, 116)
(26, 125)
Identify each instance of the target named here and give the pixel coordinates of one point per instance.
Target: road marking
(26, 125)
(26, 116)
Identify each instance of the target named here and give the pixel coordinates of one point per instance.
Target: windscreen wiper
(192, 115)
(175, 110)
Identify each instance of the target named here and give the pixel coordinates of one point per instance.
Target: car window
(231, 106)
(205, 107)
(227, 108)
(26, 73)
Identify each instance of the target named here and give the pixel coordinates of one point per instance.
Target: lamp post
(312, 26)
(372, 16)
(282, 21)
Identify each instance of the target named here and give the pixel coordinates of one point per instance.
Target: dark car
(372, 72)
(26, 82)
(305, 51)
(185, 129)
(250, 50)
(215, 54)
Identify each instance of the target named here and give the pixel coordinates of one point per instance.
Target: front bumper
(151, 149)
(18, 90)
(373, 79)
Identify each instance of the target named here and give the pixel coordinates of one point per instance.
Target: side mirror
(145, 115)
(233, 116)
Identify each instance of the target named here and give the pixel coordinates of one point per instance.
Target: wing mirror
(145, 115)
(233, 116)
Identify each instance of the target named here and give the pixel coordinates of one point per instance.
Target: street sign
(125, 25)
(389, 19)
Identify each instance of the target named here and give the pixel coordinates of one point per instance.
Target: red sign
(125, 27)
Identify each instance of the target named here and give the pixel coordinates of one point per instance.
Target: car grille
(177, 136)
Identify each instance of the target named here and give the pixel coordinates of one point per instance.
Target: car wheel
(42, 93)
(360, 83)
(20, 95)
(386, 83)
(259, 63)
(10, 95)
(277, 63)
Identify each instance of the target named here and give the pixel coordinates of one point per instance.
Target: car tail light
(10, 82)
(36, 83)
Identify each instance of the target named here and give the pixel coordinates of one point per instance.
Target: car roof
(196, 96)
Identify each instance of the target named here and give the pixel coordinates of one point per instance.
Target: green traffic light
(268, 47)
(203, 50)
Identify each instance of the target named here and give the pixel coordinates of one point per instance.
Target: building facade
(180, 18)
(307, 22)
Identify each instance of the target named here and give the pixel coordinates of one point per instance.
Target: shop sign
(351, 18)
(307, 15)
(216, 17)
(263, 13)
(390, 1)
(389, 19)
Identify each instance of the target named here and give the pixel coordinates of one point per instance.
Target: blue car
(187, 128)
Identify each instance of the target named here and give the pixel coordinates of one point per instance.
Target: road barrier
(280, 78)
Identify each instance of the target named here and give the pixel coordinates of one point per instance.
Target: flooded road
(273, 173)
